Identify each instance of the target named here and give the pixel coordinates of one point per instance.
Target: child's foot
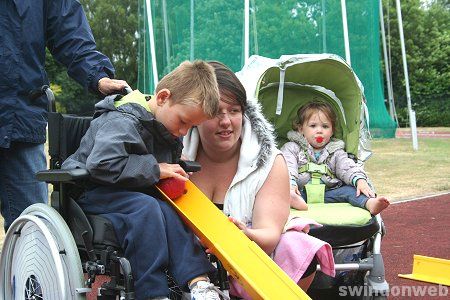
(204, 290)
(376, 205)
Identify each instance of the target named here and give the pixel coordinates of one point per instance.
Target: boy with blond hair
(134, 142)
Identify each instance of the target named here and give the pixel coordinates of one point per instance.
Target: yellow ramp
(430, 269)
(243, 259)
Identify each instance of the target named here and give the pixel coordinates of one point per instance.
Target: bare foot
(376, 205)
(297, 201)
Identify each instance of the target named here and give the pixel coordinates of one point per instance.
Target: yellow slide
(242, 258)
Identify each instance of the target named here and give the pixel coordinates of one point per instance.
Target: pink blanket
(295, 252)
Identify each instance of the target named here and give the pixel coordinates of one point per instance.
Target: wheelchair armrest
(190, 165)
(62, 175)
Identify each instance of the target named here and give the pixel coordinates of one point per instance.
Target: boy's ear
(162, 96)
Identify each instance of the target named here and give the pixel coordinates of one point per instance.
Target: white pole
(192, 32)
(255, 29)
(324, 28)
(386, 63)
(166, 32)
(152, 42)
(412, 115)
(345, 29)
(246, 30)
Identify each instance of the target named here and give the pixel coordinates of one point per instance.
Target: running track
(415, 227)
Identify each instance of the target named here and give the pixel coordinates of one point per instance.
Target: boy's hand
(172, 170)
(172, 187)
(172, 180)
(297, 201)
(363, 187)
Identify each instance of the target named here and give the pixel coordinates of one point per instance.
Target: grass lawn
(399, 172)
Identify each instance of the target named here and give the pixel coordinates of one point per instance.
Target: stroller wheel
(39, 258)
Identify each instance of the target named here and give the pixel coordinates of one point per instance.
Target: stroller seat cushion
(343, 224)
(335, 214)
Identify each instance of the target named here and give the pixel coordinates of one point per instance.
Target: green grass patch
(399, 172)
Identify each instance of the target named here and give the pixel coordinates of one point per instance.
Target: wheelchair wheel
(40, 259)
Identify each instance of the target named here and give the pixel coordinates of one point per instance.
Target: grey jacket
(298, 152)
(124, 145)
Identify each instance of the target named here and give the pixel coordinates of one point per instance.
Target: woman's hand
(363, 187)
(242, 227)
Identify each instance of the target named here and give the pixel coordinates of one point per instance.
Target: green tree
(427, 36)
(289, 27)
(114, 25)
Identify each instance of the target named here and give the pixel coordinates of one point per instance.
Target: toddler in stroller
(283, 86)
(319, 165)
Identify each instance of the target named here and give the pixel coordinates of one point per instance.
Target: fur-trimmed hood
(255, 128)
(263, 130)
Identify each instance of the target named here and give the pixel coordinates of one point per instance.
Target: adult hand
(108, 86)
(363, 187)
(241, 226)
(172, 170)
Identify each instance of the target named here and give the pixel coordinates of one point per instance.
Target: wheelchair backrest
(64, 135)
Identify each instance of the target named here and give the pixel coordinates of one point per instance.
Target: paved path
(415, 227)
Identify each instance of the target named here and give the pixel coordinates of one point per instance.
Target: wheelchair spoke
(33, 289)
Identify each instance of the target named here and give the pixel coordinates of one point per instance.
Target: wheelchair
(56, 251)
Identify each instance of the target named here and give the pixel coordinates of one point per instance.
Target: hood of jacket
(131, 108)
(331, 147)
(258, 141)
(263, 131)
(135, 109)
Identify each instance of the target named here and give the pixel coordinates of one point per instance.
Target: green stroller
(282, 86)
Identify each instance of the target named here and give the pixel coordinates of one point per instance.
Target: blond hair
(193, 83)
(307, 110)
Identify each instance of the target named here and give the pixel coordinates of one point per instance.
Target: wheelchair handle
(44, 90)
(126, 90)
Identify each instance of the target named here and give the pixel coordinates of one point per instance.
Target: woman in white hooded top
(243, 172)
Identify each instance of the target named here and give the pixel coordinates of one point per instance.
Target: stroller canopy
(283, 85)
